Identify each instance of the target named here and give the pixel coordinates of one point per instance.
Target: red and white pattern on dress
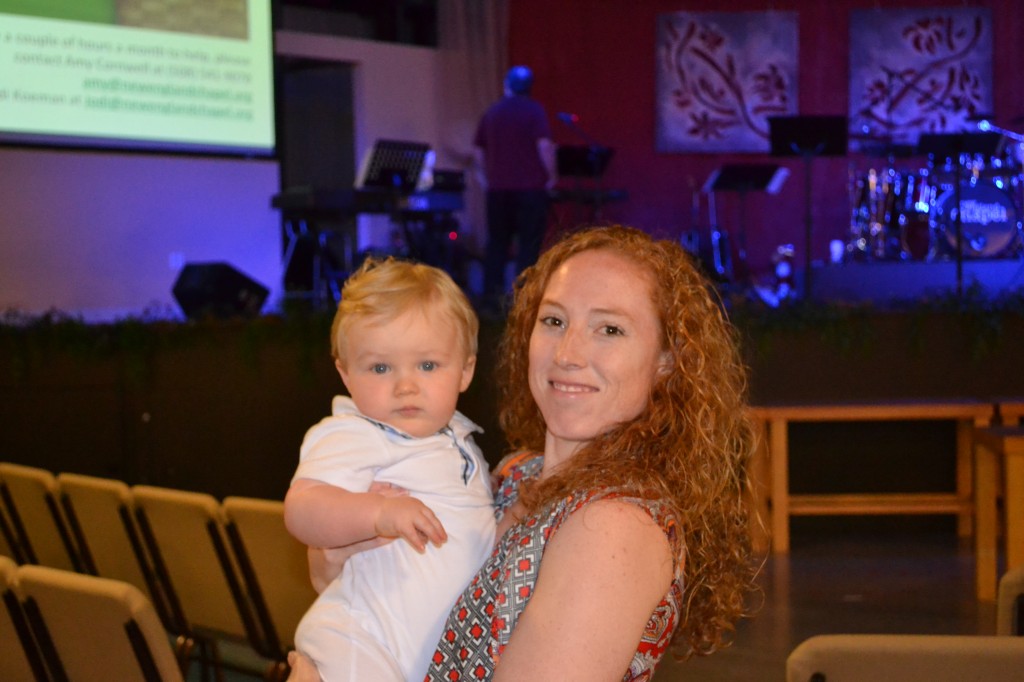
(482, 620)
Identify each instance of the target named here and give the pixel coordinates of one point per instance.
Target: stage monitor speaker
(217, 290)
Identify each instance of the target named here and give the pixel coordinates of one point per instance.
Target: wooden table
(770, 468)
(1011, 411)
(999, 455)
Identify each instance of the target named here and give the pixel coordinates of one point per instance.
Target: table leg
(759, 476)
(778, 449)
(1013, 500)
(964, 473)
(986, 471)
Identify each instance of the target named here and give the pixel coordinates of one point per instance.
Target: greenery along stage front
(222, 405)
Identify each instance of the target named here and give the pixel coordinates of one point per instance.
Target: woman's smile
(572, 388)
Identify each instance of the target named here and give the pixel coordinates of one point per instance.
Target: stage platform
(880, 282)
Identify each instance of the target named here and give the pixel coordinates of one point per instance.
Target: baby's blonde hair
(386, 288)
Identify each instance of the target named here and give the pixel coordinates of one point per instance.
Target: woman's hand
(325, 563)
(303, 669)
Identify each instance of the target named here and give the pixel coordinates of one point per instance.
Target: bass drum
(988, 220)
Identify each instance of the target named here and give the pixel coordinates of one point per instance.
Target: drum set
(963, 199)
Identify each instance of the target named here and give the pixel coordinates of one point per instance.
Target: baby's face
(407, 372)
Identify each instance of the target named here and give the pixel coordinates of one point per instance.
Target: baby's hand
(410, 519)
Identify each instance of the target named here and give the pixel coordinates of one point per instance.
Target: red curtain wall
(595, 58)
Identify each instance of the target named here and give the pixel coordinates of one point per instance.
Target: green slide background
(96, 11)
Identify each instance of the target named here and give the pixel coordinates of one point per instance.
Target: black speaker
(217, 290)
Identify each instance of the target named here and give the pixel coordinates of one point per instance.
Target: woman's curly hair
(688, 448)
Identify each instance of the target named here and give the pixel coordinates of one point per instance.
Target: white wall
(104, 235)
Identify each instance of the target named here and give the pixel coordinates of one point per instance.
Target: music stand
(393, 165)
(808, 137)
(954, 146)
(742, 178)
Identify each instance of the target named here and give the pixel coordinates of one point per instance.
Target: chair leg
(183, 646)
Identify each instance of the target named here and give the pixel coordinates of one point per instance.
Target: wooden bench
(770, 468)
(999, 458)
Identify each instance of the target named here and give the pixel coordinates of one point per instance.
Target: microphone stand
(808, 155)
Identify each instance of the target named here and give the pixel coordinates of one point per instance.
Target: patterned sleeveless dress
(482, 620)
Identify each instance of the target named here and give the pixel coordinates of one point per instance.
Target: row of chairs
(60, 625)
(214, 572)
(144, 562)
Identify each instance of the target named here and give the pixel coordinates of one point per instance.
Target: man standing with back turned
(516, 161)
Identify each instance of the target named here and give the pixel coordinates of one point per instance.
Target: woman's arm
(602, 575)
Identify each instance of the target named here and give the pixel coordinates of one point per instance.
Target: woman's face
(595, 348)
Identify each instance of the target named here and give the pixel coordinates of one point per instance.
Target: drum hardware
(890, 215)
(987, 216)
(1011, 160)
(913, 219)
(741, 178)
(958, 147)
(979, 216)
(912, 214)
(863, 191)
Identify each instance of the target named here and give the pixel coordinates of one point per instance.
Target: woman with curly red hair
(622, 524)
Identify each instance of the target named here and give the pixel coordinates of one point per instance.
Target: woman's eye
(428, 366)
(379, 368)
(612, 330)
(551, 321)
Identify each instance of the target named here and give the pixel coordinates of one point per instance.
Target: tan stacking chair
(19, 658)
(275, 569)
(908, 658)
(101, 519)
(185, 538)
(91, 628)
(927, 658)
(8, 542)
(30, 498)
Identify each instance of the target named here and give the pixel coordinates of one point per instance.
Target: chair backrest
(184, 535)
(101, 518)
(19, 658)
(908, 658)
(274, 566)
(91, 628)
(30, 496)
(8, 541)
(1010, 603)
